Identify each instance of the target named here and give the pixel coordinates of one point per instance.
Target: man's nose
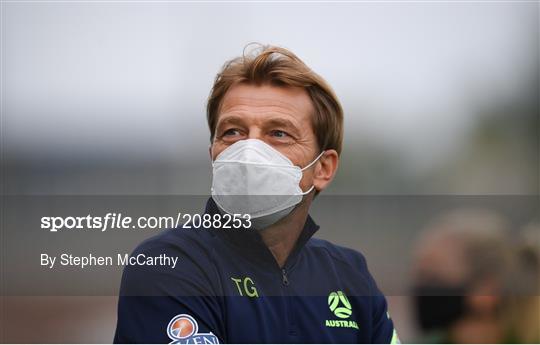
(255, 133)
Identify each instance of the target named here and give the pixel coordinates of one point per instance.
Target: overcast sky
(132, 78)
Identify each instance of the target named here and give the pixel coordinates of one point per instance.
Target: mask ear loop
(313, 161)
(306, 167)
(308, 191)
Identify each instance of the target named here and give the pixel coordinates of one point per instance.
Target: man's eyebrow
(229, 119)
(280, 122)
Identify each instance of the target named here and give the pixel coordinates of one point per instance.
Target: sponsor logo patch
(183, 329)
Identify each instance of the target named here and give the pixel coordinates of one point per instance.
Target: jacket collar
(249, 241)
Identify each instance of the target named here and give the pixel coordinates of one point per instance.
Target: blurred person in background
(523, 308)
(461, 269)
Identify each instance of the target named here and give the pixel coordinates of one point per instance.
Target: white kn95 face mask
(251, 177)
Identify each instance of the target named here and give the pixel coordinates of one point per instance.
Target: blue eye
(279, 134)
(232, 131)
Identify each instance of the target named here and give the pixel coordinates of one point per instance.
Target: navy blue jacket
(228, 288)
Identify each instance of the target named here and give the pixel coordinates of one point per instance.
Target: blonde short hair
(280, 67)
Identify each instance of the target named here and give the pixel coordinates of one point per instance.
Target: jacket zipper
(284, 279)
(287, 316)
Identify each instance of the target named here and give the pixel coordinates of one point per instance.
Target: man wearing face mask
(276, 135)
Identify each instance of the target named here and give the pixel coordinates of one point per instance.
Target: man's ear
(325, 169)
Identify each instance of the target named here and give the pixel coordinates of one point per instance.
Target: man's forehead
(293, 100)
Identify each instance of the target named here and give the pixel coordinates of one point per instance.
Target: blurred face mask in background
(438, 306)
(251, 177)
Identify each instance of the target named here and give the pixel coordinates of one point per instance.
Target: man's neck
(281, 237)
